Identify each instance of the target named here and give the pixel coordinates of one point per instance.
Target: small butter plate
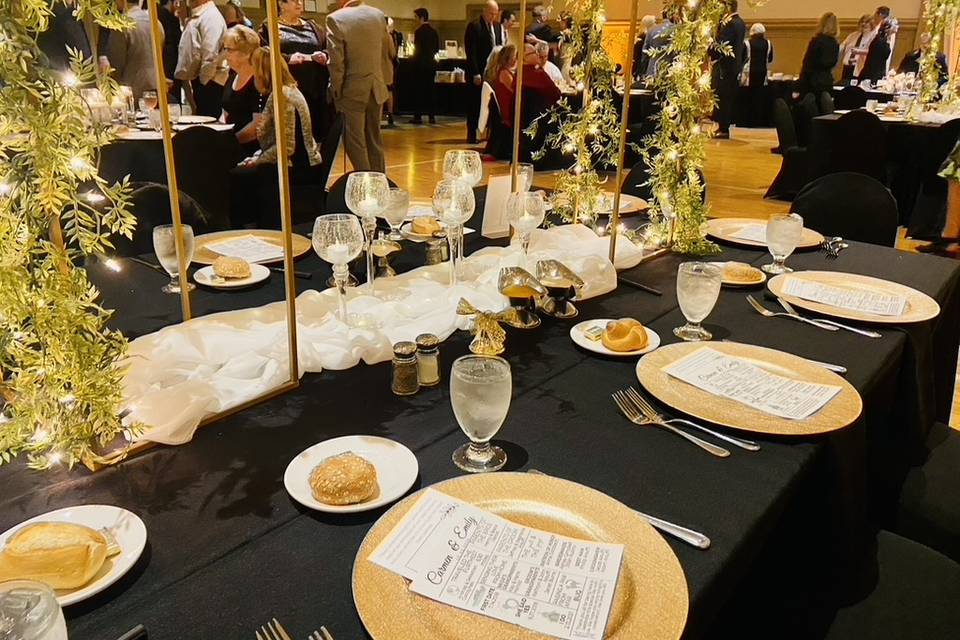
(397, 470)
(206, 277)
(196, 119)
(760, 279)
(581, 340)
(126, 528)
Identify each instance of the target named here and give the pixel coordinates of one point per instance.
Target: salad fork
(772, 314)
(633, 415)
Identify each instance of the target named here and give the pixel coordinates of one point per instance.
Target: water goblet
(480, 390)
(338, 238)
(165, 246)
(29, 609)
(463, 165)
(149, 98)
(398, 204)
(366, 196)
(525, 212)
(784, 231)
(698, 287)
(454, 202)
(174, 110)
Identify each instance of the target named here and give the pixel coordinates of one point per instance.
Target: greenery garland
(938, 14)
(590, 132)
(61, 381)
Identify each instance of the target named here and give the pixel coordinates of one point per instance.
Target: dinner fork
(773, 314)
(273, 631)
(864, 332)
(648, 410)
(633, 415)
(316, 635)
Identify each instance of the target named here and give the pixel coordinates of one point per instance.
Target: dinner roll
(62, 555)
(343, 479)
(232, 268)
(623, 335)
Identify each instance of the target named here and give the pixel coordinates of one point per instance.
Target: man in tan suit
(358, 47)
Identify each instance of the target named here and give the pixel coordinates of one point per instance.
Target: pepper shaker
(405, 381)
(428, 359)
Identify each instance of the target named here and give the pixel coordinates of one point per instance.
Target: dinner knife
(863, 332)
(691, 537)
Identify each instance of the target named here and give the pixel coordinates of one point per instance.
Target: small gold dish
(523, 290)
(562, 285)
(382, 248)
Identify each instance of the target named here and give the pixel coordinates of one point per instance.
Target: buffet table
(228, 549)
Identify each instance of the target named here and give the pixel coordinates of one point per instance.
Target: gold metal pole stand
(624, 123)
(514, 166)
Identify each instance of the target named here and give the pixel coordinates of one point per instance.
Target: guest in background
(640, 56)
(242, 102)
(727, 68)
(537, 83)
(541, 31)
(501, 76)
(397, 39)
(657, 38)
(911, 61)
(875, 66)
(171, 40)
(853, 51)
(759, 57)
(233, 14)
(426, 44)
(303, 46)
(131, 51)
(552, 70)
(199, 57)
(479, 39)
(360, 71)
(881, 15)
(823, 52)
(254, 192)
(511, 27)
(63, 30)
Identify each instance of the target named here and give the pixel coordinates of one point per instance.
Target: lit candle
(368, 207)
(338, 253)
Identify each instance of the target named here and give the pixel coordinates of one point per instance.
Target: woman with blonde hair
(500, 73)
(254, 193)
(241, 102)
(853, 51)
(823, 53)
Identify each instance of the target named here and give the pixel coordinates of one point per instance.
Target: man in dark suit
(727, 68)
(426, 43)
(481, 36)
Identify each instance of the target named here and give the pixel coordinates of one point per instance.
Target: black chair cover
(826, 103)
(930, 210)
(803, 114)
(859, 144)
(150, 203)
(204, 158)
(794, 169)
(850, 205)
(500, 137)
(851, 97)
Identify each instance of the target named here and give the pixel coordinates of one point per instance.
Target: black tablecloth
(452, 97)
(228, 549)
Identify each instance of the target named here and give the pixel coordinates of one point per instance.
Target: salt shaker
(428, 359)
(405, 381)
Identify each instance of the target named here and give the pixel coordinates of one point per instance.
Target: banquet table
(914, 152)
(228, 548)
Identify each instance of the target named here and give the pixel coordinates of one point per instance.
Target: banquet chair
(915, 596)
(204, 158)
(310, 193)
(928, 214)
(928, 510)
(532, 106)
(500, 136)
(794, 167)
(851, 97)
(336, 201)
(826, 103)
(804, 112)
(858, 143)
(150, 204)
(850, 205)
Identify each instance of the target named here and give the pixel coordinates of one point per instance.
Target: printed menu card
(463, 556)
(744, 382)
(248, 247)
(865, 301)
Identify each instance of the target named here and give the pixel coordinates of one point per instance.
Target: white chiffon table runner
(183, 373)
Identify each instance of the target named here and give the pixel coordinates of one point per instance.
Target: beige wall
(902, 9)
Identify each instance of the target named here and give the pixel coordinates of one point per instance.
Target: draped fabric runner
(183, 373)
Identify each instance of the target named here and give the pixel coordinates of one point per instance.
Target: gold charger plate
(650, 602)
(843, 409)
(724, 228)
(920, 306)
(203, 255)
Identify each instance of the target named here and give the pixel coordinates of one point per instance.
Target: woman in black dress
(823, 53)
(242, 103)
(303, 45)
(875, 66)
(759, 57)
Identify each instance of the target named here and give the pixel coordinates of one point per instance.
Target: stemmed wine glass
(784, 231)
(338, 239)
(466, 166)
(698, 287)
(480, 389)
(165, 246)
(398, 204)
(366, 196)
(525, 212)
(453, 201)
(524, 176)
